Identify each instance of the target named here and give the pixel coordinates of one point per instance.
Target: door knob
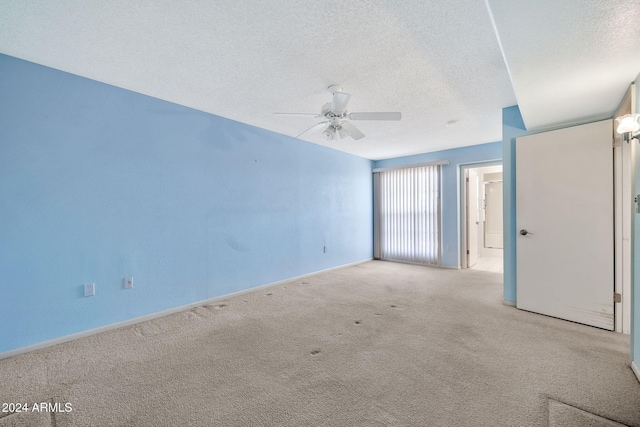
(524, 232)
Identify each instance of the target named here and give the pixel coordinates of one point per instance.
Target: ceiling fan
(337, 122)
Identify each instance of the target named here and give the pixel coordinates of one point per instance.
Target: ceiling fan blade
(354, 132)
(375, 116)
(314, 127)
(340, 101)
(297, 114)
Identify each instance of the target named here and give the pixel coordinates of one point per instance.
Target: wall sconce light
(628, 126)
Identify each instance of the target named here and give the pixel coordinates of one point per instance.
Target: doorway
(481, 219)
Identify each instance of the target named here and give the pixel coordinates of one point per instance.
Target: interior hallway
(493, 264)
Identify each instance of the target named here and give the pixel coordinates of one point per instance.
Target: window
(407, 214)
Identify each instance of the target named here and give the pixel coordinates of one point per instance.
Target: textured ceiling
(435, 61)
(570, 61)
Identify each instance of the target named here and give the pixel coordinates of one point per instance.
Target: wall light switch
(89, 289)
(128, 282)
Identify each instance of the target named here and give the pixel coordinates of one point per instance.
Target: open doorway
(481, 217)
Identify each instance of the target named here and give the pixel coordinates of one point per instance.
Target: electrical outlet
(128, 283)
(449, 248)
(89, 289)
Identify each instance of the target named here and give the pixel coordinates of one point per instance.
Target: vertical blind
(407, 215)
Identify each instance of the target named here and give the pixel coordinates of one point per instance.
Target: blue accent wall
(512, 127)
(99, 183)
(450, 188)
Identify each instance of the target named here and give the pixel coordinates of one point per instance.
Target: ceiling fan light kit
(329, 133)
(337, 123)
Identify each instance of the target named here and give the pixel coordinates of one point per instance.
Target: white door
(473, 217)
(564, 218)
(493, 215)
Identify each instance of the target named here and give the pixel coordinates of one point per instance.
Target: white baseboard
(90, 332)
(635, 370)
(451, 267)
(509, 303)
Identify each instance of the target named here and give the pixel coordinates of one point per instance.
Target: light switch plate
(89, 289)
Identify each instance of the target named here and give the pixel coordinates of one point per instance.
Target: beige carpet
(379, 344)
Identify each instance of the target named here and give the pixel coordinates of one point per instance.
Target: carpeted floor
(378, 344)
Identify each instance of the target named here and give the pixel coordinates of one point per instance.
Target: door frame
(462, 205)
(623, 169)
